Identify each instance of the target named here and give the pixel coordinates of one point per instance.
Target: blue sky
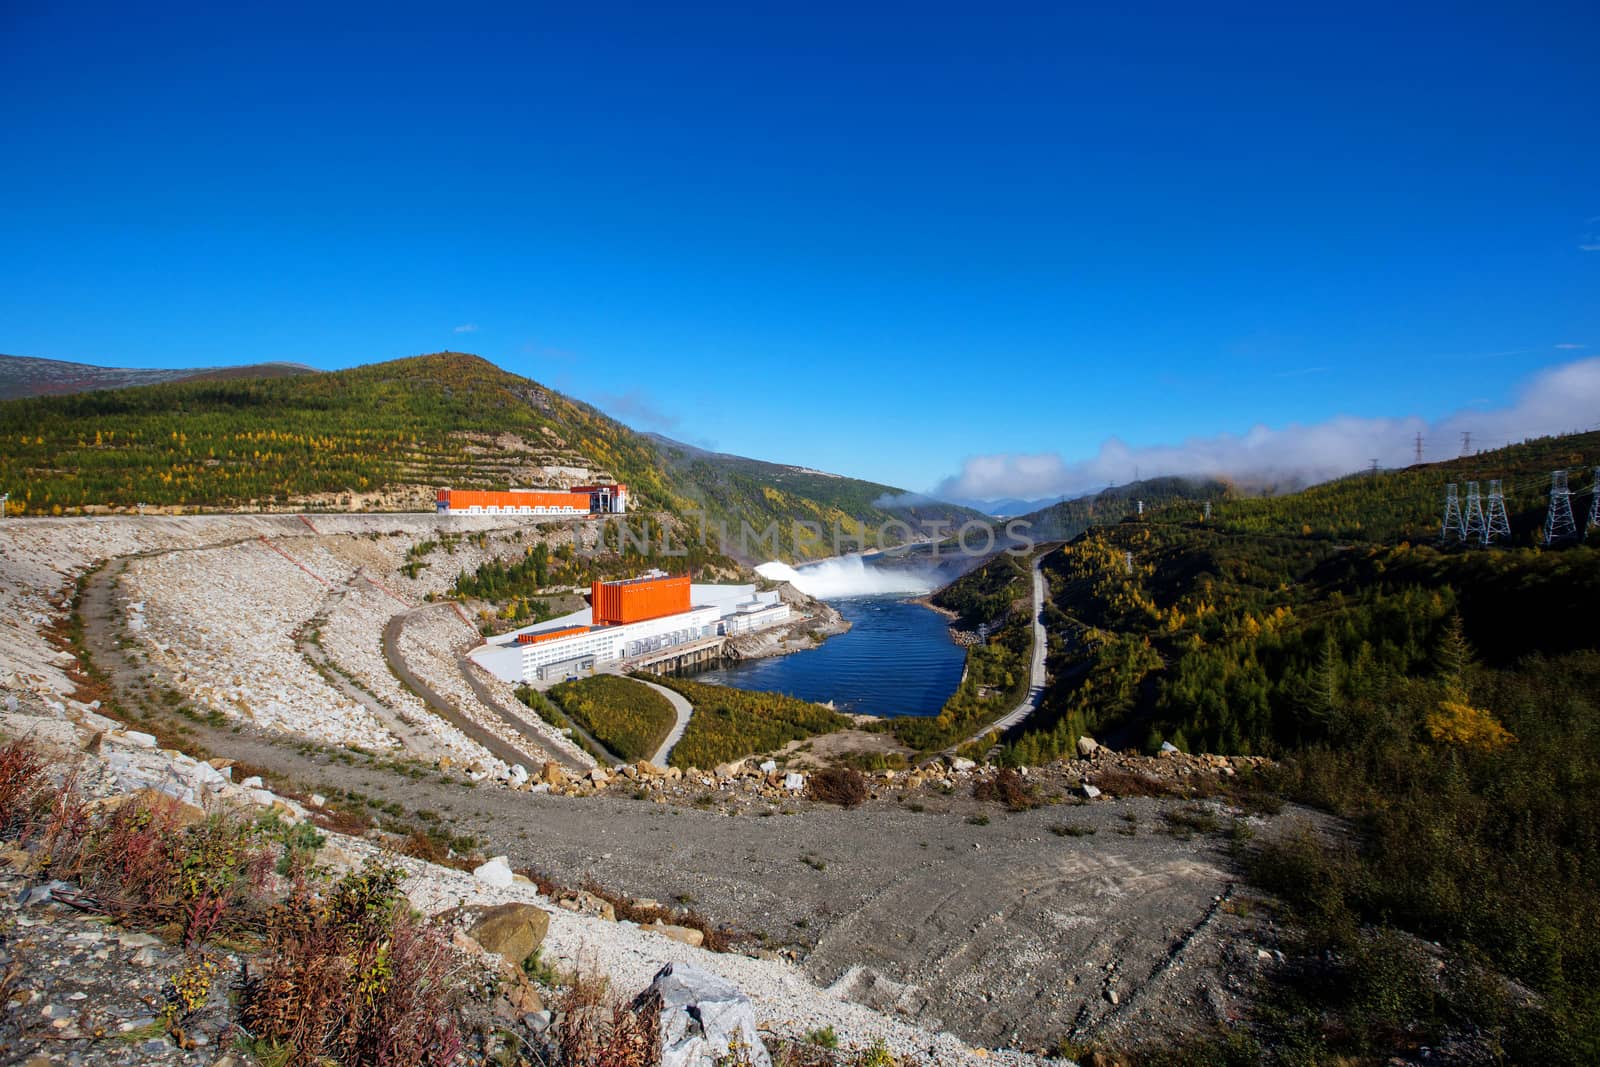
(888, 242)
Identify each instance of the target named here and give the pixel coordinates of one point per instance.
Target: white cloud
(466, 327)
(1557, 400)
(1569, 347)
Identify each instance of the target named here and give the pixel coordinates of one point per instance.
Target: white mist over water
(846, 576)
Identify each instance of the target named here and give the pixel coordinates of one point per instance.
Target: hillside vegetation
(383, 436)
(628, 717)
(1440, 698)
(730, 724)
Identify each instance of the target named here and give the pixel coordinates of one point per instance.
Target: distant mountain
(22, 376)
(1007, 507)
(749, 488)
(1067, 519)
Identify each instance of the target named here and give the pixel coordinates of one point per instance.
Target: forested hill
(381, 436)
(1440, 696)
(1069, 518)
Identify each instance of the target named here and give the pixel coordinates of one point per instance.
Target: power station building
(579, 500)
(629, 619)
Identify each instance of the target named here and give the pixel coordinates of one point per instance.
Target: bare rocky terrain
(924, 912)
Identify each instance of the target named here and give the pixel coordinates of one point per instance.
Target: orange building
(470, 501)
(550, 635)
(638, 599)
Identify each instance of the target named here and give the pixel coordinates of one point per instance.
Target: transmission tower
(1472, 518)
(1466, 441)
(1419, 447)
(1594, 503)
(1127, 562)
(1208, 503)
(1452, 514)
(1374, 468)
(1499, 524)
(1558, 524)
(1141, 507)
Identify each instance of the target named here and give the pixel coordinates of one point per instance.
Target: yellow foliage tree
(1455, 722)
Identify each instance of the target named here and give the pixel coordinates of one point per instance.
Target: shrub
(21, 781)
(1130, 784)
(1006, 787)
(353, 977)
(601, 1030)
(843, 786)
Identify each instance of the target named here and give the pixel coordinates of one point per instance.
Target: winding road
(1036, 669)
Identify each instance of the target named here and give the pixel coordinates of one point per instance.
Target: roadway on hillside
(684, 709)
(1036, 670)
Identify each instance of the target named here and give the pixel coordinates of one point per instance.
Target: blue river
(897, 659)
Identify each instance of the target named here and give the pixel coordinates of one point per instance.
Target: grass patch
(626, 716)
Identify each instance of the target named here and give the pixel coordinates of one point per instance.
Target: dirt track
(1005, 933)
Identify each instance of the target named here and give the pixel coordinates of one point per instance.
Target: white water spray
(846, 576)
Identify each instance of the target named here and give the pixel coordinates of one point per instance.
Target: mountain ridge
(25, 376)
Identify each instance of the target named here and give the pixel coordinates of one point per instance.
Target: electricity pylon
(1472, 518)
(1558, 524)
(1452, 514)
(1594, 503)
(1499, 524)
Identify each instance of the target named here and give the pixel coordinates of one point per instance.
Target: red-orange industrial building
(638, 599)
(579, 500)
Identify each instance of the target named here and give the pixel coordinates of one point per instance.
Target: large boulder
(700, 1017)
(1087, 746)
(514, 931)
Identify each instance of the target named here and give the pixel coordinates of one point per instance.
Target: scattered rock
(702, 1019)
(514, 931)
(687, 934)
(1087, 746)
(35, 895)
(495, 873)
(1090, 791)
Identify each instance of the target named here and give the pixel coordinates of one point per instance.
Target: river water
(897, 659)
